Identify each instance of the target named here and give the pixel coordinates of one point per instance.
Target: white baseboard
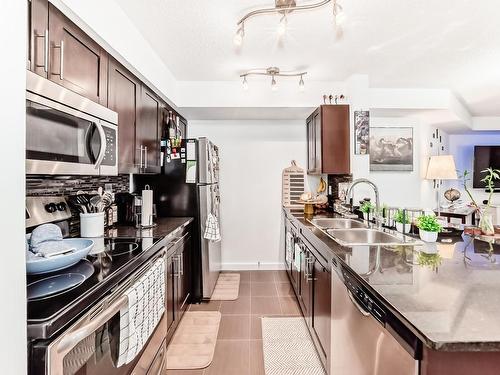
(252, 266)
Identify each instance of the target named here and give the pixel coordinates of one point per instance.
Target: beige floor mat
(227, 287)
(193, 344)
(288, 348)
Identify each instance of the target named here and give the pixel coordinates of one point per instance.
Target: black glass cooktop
(69, 294)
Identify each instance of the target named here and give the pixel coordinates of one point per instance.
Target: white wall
(462, 147)
(400, 189)
(253, 155)
(12, 118)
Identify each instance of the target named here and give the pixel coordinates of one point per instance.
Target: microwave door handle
(102, 151)
(88, 143)
(72, 339)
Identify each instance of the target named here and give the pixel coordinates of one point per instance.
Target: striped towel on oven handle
(146, 305)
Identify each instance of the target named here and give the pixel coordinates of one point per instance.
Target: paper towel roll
(147, 206)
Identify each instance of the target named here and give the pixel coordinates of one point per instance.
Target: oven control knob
(51, 207)
(61, 206)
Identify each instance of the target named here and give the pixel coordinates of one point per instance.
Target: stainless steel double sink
(350, 232)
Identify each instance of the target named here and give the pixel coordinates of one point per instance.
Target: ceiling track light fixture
(285, 7)
(273, 72)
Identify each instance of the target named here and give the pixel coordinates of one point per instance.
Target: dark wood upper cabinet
(148, 130)
(123, 97)
(328, 140)
(38, 37)
(75, 60)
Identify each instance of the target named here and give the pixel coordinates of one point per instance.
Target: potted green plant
(428, 228)
(367, 208)
(485, 215)
(403, 224)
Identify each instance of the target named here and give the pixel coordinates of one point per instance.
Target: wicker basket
(293, 183)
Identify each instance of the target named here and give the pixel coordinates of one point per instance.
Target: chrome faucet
(349, 197)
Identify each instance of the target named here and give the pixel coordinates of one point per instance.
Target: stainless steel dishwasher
(367, 339)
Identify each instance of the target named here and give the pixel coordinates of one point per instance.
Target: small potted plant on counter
(403, 224)
(367, 208)
(428, 228)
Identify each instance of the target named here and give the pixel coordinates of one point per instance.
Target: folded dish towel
(212, 231)
(146, 304)
(43, 233)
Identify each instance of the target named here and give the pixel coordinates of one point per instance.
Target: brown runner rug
(227, 287)
(193, 344)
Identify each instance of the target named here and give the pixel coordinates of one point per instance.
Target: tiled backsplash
(68, 185)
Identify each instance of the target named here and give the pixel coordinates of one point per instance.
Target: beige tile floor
(239, 344)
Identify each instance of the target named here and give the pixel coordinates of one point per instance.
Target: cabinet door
(305, 297)
(76, 61)
(147, 131)
(38, 37)
(317, 143)
(183, 126)
(123, 96)
(311, 158)
(184, 280)
(321, 305)
(336, 155)
(171, 300)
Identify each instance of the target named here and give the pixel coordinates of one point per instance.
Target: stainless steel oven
(67, 133)
(90, 346)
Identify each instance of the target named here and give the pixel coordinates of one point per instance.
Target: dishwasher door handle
(358, 306)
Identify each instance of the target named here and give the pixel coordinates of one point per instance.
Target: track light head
(302, 85)
(240, 33)
(274, 84)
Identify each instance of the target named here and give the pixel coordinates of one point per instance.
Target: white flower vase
(428, 236)
(403, 228)
(486, 223)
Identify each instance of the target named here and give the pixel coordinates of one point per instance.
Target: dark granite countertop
(448, 294)
(164, 226)
(48, 317)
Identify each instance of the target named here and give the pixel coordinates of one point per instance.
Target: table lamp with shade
(441, 167)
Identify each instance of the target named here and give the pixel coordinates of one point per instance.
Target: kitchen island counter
(447, 294)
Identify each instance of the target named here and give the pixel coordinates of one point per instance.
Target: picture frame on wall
(361, 132)
(391, 149)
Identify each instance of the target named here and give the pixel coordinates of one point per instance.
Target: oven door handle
(72, 339)
(102, 151)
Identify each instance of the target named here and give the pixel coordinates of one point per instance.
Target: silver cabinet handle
(102, 151)
(61, 59)
(145, 157)
(71, 340)
(181, 264)
(45, 37)
(61, 73)
(179, 267)
(140, 157)
(176, 266)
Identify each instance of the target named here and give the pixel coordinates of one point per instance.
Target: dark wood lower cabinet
(312, 285)
(321, 317)
(179, 273)
(306, 293)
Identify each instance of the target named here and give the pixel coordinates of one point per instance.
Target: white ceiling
(398, 43)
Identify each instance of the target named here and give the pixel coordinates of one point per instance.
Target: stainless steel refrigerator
(189, 186)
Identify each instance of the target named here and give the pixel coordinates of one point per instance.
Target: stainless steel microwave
(66, 133)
